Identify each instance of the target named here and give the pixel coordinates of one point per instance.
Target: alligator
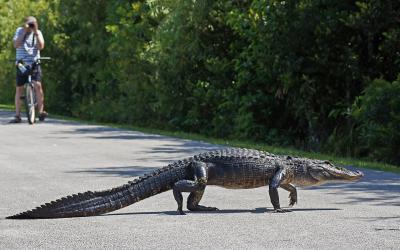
(231, 168)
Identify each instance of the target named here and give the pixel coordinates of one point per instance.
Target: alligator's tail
(96, 203)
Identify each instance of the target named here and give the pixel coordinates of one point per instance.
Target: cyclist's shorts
(36, 76)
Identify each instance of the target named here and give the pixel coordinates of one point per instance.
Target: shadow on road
(129, 171)
(165, 154)
(380, 218)
(224, 211)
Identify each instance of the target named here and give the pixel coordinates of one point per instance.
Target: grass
(243, 144)
(6, 107)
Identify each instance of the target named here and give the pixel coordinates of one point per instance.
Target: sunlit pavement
(46, 161)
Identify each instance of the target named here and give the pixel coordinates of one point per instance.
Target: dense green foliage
(320, 75)
(378, 112)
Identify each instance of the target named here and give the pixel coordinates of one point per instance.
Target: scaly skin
(231, 168)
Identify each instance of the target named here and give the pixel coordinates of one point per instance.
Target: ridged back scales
(240, 168)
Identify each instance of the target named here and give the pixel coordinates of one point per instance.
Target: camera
(31, 25)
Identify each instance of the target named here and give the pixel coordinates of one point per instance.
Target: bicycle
(29, 88)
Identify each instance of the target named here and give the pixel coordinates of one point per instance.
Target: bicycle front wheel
(30, 103)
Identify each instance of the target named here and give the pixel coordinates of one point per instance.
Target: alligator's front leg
(292, 193)
(196, 189)
(274, 183)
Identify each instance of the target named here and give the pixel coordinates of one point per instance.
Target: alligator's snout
(332, 173)
(356, 175)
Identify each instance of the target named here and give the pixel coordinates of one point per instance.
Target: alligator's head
(320, 172)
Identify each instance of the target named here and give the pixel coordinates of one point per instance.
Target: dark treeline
(319, 75)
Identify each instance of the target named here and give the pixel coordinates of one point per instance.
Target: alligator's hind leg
(195, 187)
(182, 186)
(292, 193)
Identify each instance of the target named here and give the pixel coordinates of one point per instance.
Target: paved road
(49, 160)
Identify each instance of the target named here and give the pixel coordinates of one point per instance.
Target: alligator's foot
(202, 208)
(293, 199)
(281, 210)
(180, 211)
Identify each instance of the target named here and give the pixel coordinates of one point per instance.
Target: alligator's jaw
(327, 172)
(347, 175)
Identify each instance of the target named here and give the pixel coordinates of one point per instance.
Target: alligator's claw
(281, 210)
(293, 199)
(181, 212)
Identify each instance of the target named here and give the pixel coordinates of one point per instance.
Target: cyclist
(28, 41)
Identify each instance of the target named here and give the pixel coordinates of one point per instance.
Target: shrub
(378, 113)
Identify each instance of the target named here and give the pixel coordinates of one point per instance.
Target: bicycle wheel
(30, 103)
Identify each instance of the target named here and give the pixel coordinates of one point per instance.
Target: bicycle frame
(30, 100)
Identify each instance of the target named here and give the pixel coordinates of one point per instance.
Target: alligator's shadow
(259, 210)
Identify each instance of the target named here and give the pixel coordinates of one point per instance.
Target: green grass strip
(7, 107)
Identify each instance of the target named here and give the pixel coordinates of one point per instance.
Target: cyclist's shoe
(43, 116)
(17, 119)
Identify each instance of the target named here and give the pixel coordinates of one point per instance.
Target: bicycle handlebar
(27, 69)
(38, 59)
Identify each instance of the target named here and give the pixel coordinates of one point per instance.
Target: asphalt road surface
(46, 161)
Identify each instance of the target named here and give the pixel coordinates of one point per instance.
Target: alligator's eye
(329, 163)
